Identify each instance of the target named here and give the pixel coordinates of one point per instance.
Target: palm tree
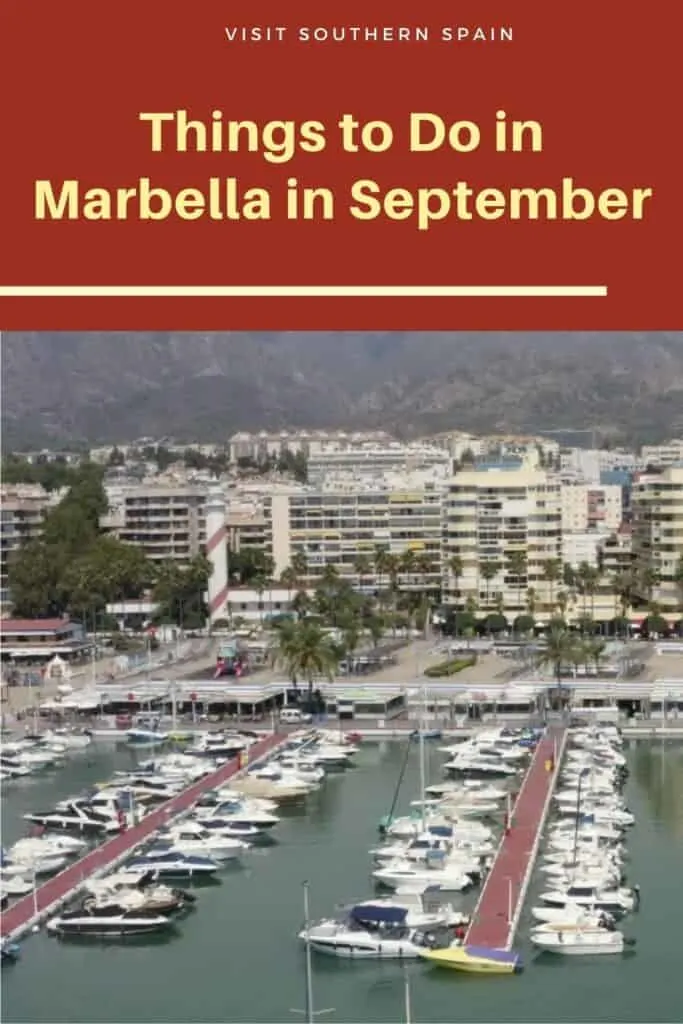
(552, 572)
(559, 649)
(517, 567)
(456, 568)
(305, 651)
(381, 564)
(288, 578)
(259, 584)
(362, 565)
(407, 565)
(488, 570)
(300, 565)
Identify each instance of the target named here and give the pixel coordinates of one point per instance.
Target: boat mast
(406, 991)
(421, 739)
(310, 1012)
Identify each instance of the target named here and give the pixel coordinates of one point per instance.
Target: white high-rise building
(657, 504)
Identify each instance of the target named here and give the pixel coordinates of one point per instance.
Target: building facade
(657, 509)
(21, 519)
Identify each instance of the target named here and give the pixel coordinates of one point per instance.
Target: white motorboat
(221, 744)
(190, 837)
(476, 789)
(66, 738)
(579, 941)
(425, 845)
(231, 830)
(13, 885)
(174, 864)
(108, 921)
(77, 815)
(376, 933)
(15, 767)
(418, 904)
(256, 803)
(451, 875)
(620, 900)
(437, 825)
(480, 767)
(586, 827)
(135, 889)
(601, 815)
(276, 772)
(238, 811)
(26, 864)
(574, 914)
(30, 755)
(303, 767)
(48, 844)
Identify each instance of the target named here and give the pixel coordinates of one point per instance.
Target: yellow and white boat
(475, 959)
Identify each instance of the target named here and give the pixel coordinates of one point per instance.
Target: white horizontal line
(303, 291)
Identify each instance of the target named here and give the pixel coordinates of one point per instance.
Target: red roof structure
(34, 625)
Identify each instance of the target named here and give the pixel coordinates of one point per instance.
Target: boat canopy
(373, 914)
(501, 956)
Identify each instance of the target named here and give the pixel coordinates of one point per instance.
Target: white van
(293, 716)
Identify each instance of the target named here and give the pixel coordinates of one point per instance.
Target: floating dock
(499, 908)
(30, 910)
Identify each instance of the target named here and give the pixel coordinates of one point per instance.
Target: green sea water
(236, 958)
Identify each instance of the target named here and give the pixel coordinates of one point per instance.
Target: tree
(558, 651)
(362, 566)
(305, 651)
(456, 567)
(517, 567)
(179, 590)
(288, 579)
(552, 572)
(488, 571)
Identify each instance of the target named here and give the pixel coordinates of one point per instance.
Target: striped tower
(217, 553)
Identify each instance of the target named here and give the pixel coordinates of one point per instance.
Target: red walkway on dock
(74, 875)
(496, 913)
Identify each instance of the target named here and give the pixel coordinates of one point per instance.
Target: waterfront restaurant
(24, 641)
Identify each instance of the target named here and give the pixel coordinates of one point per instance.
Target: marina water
(236, 958)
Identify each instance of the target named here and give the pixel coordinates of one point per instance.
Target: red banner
(210, 165)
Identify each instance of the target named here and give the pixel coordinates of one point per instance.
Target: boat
(77, 815)
(9, 951)
(240, 811)
(107, 921)
(50, 843)
(425, 845)
(377, 933)
(276, 789)
(571, 915)
(474, 959)
(617, 900)
(475, 789)
(14, 886)
(146, 737)
(480, 767)
(232, 829)
(32, 864)
(428, 902)
(190, 837)
(579, 941)
(174, 864)
(452, 876)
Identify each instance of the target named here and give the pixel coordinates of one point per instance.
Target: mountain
(101, 387)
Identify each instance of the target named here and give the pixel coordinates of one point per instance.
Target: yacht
(601, 815)
(107, 921)
(614, 901)
(279, 775)
(579, 941)
(574, 914)
(429, 902)
(450, 875)
(140, 737)
(30, 754)
(15, 767)
(475, 789)
(130, 887)
(154, 787)
(458, 806)
(190, 837)
(437, 825)
(77, 815)
(231, 829)
(221, 745)
(377, 933)
(479, 766)
(226, 793)
(48, 844)
(239, 811)
(305, 768)
(27, 864)
(70, 739)
(13, 885)
(174, 864)
(425, 845)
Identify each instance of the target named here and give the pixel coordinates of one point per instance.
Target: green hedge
(450, 667)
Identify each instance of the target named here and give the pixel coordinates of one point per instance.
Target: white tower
(217, 553)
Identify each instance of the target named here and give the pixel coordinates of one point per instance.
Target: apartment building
(363, 461)
(588, 507)
(668, 454)
(262, 445)
(332, 527)
(504, 523)
(247, 528)
(167, 522)
(657, 509)
(21, 519)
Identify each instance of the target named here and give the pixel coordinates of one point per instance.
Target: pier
(30, 910)
(496, 915)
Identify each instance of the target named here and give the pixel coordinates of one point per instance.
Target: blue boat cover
(371, 913)
(446, 831)
(501, 956)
